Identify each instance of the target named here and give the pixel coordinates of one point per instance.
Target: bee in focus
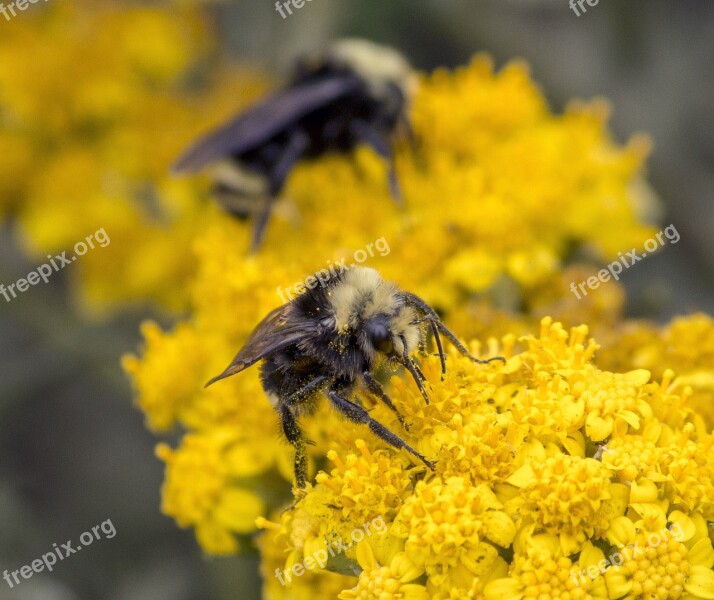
(356, 93)
(326, 340)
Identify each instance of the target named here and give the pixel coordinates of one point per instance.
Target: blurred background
(74, 451)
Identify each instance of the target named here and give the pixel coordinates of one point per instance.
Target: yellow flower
(365, 485)
(636, 455)
(662, 563)
(201, 490)
(164, 359)
(541, 570)
(452, 530)
(566, 496)
(483, 449)
(279, 579)
(388, 582)
(686, 346)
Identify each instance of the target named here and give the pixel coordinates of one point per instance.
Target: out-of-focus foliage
(96, 102)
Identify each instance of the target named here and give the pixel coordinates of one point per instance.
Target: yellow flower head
(661, 563)
(365, 485)
(540, 570)
(387, 582)
(452, 530)
(200, 491)
(566, 496)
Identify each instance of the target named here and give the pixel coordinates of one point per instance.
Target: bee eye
(380, 337)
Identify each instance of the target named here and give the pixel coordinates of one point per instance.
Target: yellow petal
(683, 528)
(617, 584)
(215, 539)
(365, 557)
(412, 591)
(617, 504)
(385, 546)
(478, 561)
(404, 569)
(315, 546)
(238, 509)
(632, 419)
(590, 555)
(522, 477)
(597, 428)
(638, 377)
(572, 409)
(700, 583)
(575, 447)
(643, 491)
(702, 554)
(503, 589)
(653, 514)
(622, 532)
(499, 528)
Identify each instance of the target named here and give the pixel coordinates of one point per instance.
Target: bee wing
(262, 121)
(275, 332)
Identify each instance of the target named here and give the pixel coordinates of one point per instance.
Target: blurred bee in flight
(355, 93)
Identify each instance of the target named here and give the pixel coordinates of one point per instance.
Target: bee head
(379, 334)
(370, 308)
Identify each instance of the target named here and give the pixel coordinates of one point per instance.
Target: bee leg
(261, 222)
(357, 414)
(294, 436)
(376, 389)
(299, 142)
(307, 389)
(416, 373)
(381, 146)
(419, 371)
(303, 393)
(439, 347)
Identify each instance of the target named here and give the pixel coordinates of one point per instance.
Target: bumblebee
(356, 93)
(328, 339)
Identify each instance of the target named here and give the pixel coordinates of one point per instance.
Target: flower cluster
(544, 464)
(95, 105)
(560, 500)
